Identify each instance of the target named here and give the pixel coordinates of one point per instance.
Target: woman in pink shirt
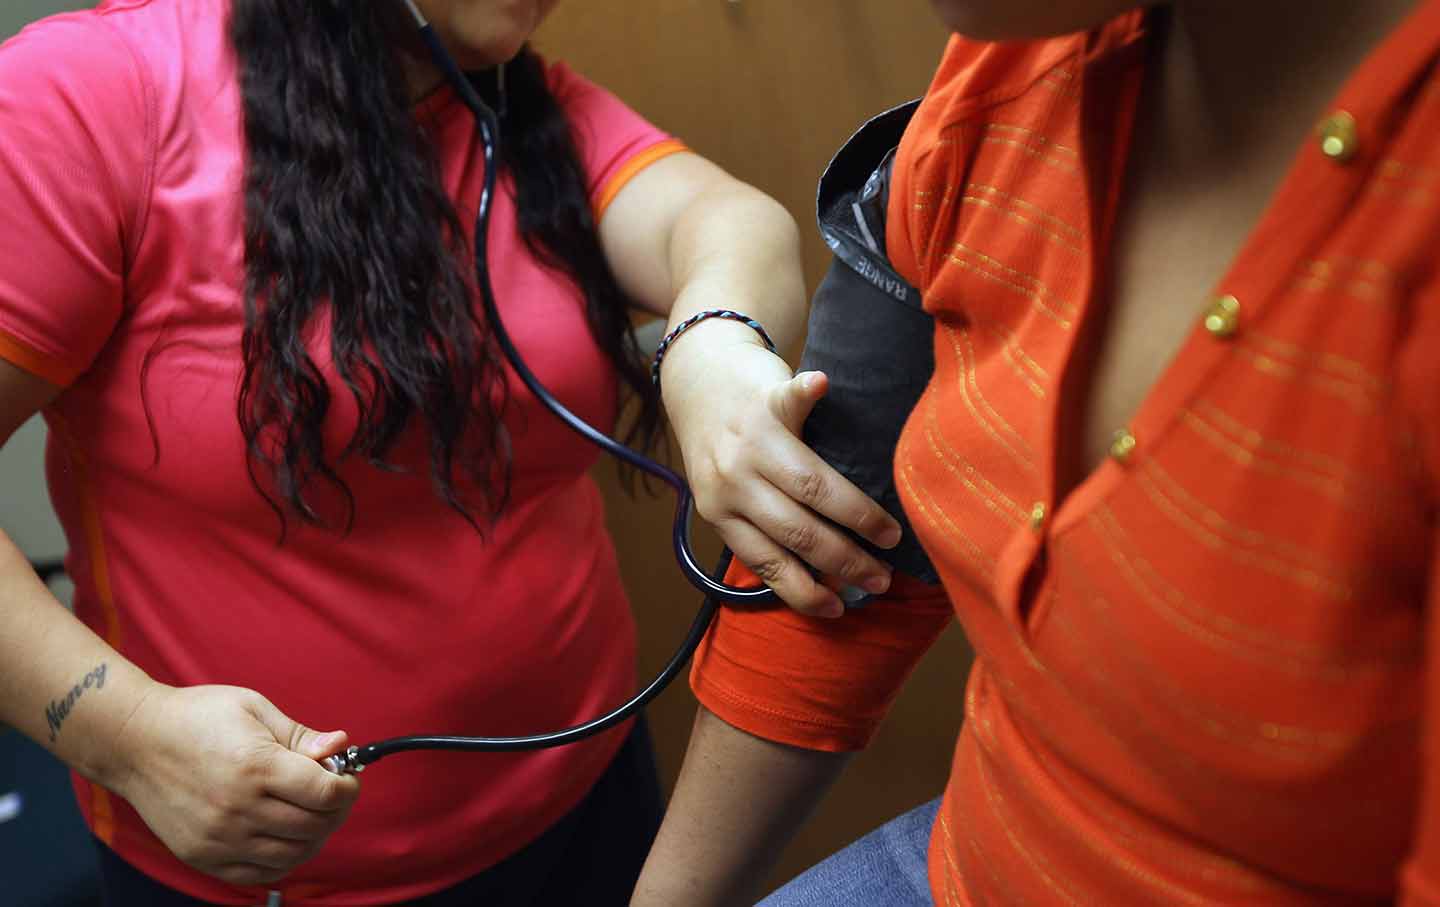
(301, 489)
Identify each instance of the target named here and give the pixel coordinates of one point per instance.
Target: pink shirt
(121, 248)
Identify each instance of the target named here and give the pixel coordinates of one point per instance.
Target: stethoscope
(356, 758)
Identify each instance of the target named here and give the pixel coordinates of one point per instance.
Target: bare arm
(60, 684)
(229, 783)
(684, 236)
(739, 801)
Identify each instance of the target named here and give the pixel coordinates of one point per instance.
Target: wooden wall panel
(769, 89)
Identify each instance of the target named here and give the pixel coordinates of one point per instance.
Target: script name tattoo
(58, 710)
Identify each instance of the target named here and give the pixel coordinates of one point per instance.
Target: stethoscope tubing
(357, 757)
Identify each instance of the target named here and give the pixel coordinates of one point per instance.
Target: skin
(1235, 89)
(233, 786)
(483, 33)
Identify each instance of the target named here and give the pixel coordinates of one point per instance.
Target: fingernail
(889, 538)
(877, 585)
(831, 609)
(809, 380)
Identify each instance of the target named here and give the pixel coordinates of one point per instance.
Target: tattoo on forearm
(57, 711)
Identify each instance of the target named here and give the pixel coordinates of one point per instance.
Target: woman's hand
(231, 785)
(738, 412)
(682, 237)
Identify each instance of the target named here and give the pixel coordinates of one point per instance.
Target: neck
(421, 76)
(1239, 76)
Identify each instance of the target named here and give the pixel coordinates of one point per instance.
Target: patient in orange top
(1177, 469)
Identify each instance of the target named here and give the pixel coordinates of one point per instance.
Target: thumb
(793, 401)
(298, 738)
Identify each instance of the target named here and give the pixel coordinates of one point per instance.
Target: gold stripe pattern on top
(1035, 137)
(1208, 868)
(1021, 358)
(1413, 185)
(1328, 474)
(1297, 657)
(975, 402)
(999, 809)
(1016, 201)
(940, 521)
(950, 849)
(995, 500)
(1348, 391)
(1271, 739)
(1015, 358)
(926, 198)
(1364, 279)
(1035, 297)
(1056, 85)
(1333, 364)
(1244, 545)
(1250, 458)
(1003, 885)
(1056, 162)
(1037, 290)
(1027, 221)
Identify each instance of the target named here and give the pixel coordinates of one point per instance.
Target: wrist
(718, 330)
(115, 743)
(720, 366)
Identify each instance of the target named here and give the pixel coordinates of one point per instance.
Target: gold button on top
(1037, 516)
(1339, 136)
(1122, 445)
(1222, 319)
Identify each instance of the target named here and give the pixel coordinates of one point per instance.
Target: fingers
(277, 819)
(793, 401)
(294, 773)
(814, 540)
(302, 781)
(799, 472)
(280, 854)
(780, 570)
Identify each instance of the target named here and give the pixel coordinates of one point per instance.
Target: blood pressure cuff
(867, 332)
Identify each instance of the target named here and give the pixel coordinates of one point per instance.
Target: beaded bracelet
(695, 319)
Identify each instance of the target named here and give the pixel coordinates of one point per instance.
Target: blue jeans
(886, 868)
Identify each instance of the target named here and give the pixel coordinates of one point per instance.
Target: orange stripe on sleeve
(22, 355)
(630, 168)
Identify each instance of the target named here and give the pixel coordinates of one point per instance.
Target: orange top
(1200, 675)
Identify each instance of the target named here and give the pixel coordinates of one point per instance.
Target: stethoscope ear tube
(356, 758)
(716, 591)
(489, 127)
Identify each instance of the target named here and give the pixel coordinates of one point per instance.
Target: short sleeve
(615, 142)
(74, 169)
(816, 683)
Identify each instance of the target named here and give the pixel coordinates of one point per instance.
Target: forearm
(60, 684)
(737, 804)
(735, 247)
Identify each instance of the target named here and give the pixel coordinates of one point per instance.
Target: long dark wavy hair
(345, 215)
